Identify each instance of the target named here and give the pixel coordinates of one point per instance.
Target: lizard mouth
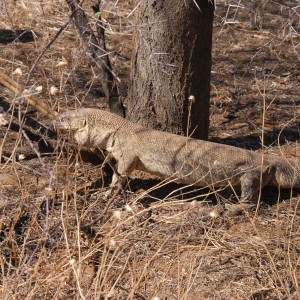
(62, 122)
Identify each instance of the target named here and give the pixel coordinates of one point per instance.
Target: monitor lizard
(189, 161)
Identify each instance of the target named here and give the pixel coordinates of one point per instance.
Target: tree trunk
(172, 63)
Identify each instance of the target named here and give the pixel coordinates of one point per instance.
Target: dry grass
(154, 243)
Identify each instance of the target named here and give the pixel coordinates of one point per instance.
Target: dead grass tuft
(153, 243)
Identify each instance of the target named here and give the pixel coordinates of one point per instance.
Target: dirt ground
(156, 241)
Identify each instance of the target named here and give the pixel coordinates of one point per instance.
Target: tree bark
(172, 62)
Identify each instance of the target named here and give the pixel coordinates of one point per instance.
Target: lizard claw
(238, 209)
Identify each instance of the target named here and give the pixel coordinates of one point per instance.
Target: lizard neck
(99, 137)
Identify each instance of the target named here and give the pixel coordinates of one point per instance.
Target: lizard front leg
(126, 163)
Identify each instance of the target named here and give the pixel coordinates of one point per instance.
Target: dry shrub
(152, 244)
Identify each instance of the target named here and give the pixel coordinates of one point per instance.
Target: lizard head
(90, 127)
(71, 120)
(76, 122)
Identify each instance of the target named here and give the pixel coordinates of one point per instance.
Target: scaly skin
(187, 160)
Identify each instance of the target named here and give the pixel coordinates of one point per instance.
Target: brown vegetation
(154, 241)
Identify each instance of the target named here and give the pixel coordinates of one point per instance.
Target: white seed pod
(39, 88)
(18, 72)
(21, 156)
(213, 214)
(128, 208)
(53, 90)
(192, 98)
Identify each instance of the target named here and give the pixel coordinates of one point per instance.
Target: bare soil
(156, 241)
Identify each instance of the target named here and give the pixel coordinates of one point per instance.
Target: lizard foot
(238, 209)
(114, 191)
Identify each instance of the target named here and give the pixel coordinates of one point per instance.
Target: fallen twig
(33, 101)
